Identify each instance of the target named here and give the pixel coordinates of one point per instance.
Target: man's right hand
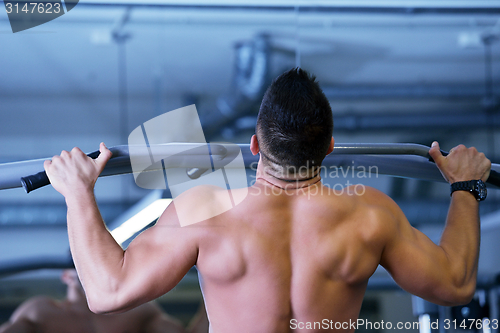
(461, 164)
(74, 172)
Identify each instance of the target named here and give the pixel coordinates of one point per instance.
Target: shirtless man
(43, 314)
(300, 253)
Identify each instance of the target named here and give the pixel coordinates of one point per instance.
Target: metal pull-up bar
(397, 159)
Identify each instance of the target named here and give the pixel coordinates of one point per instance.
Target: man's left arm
(116, 280)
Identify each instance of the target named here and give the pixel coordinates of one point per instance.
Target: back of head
(295, 122)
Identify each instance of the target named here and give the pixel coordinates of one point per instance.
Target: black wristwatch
(476, 187)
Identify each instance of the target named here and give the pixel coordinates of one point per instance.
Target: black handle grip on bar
(493, 179)
(40, 179)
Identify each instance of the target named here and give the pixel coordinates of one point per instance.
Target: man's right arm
(446, 273)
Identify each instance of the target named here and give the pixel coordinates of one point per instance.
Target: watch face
(480, 190)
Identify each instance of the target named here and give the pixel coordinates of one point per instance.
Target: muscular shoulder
(375, 199)
(201, 203)
(377, 211)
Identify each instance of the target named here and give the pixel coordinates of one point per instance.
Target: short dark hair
(295, 121)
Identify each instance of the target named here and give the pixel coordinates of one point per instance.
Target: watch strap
(475, 187)
(462, 186)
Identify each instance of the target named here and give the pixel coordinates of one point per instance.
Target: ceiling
(63, 77)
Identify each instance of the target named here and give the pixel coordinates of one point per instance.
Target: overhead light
(140, 220)
(101, 37)
(139, 216)
(470, 39)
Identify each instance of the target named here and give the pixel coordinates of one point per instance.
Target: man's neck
(277, 177)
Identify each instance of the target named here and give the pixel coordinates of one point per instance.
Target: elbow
(109, 303)
(97, 309)
(99, 306)
(459, 285)
(464, 288)
(103, 304)
(107, 298)
(464, 294)
(458, 295)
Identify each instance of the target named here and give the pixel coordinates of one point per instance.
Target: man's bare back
(291, 256)
(298, 255)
